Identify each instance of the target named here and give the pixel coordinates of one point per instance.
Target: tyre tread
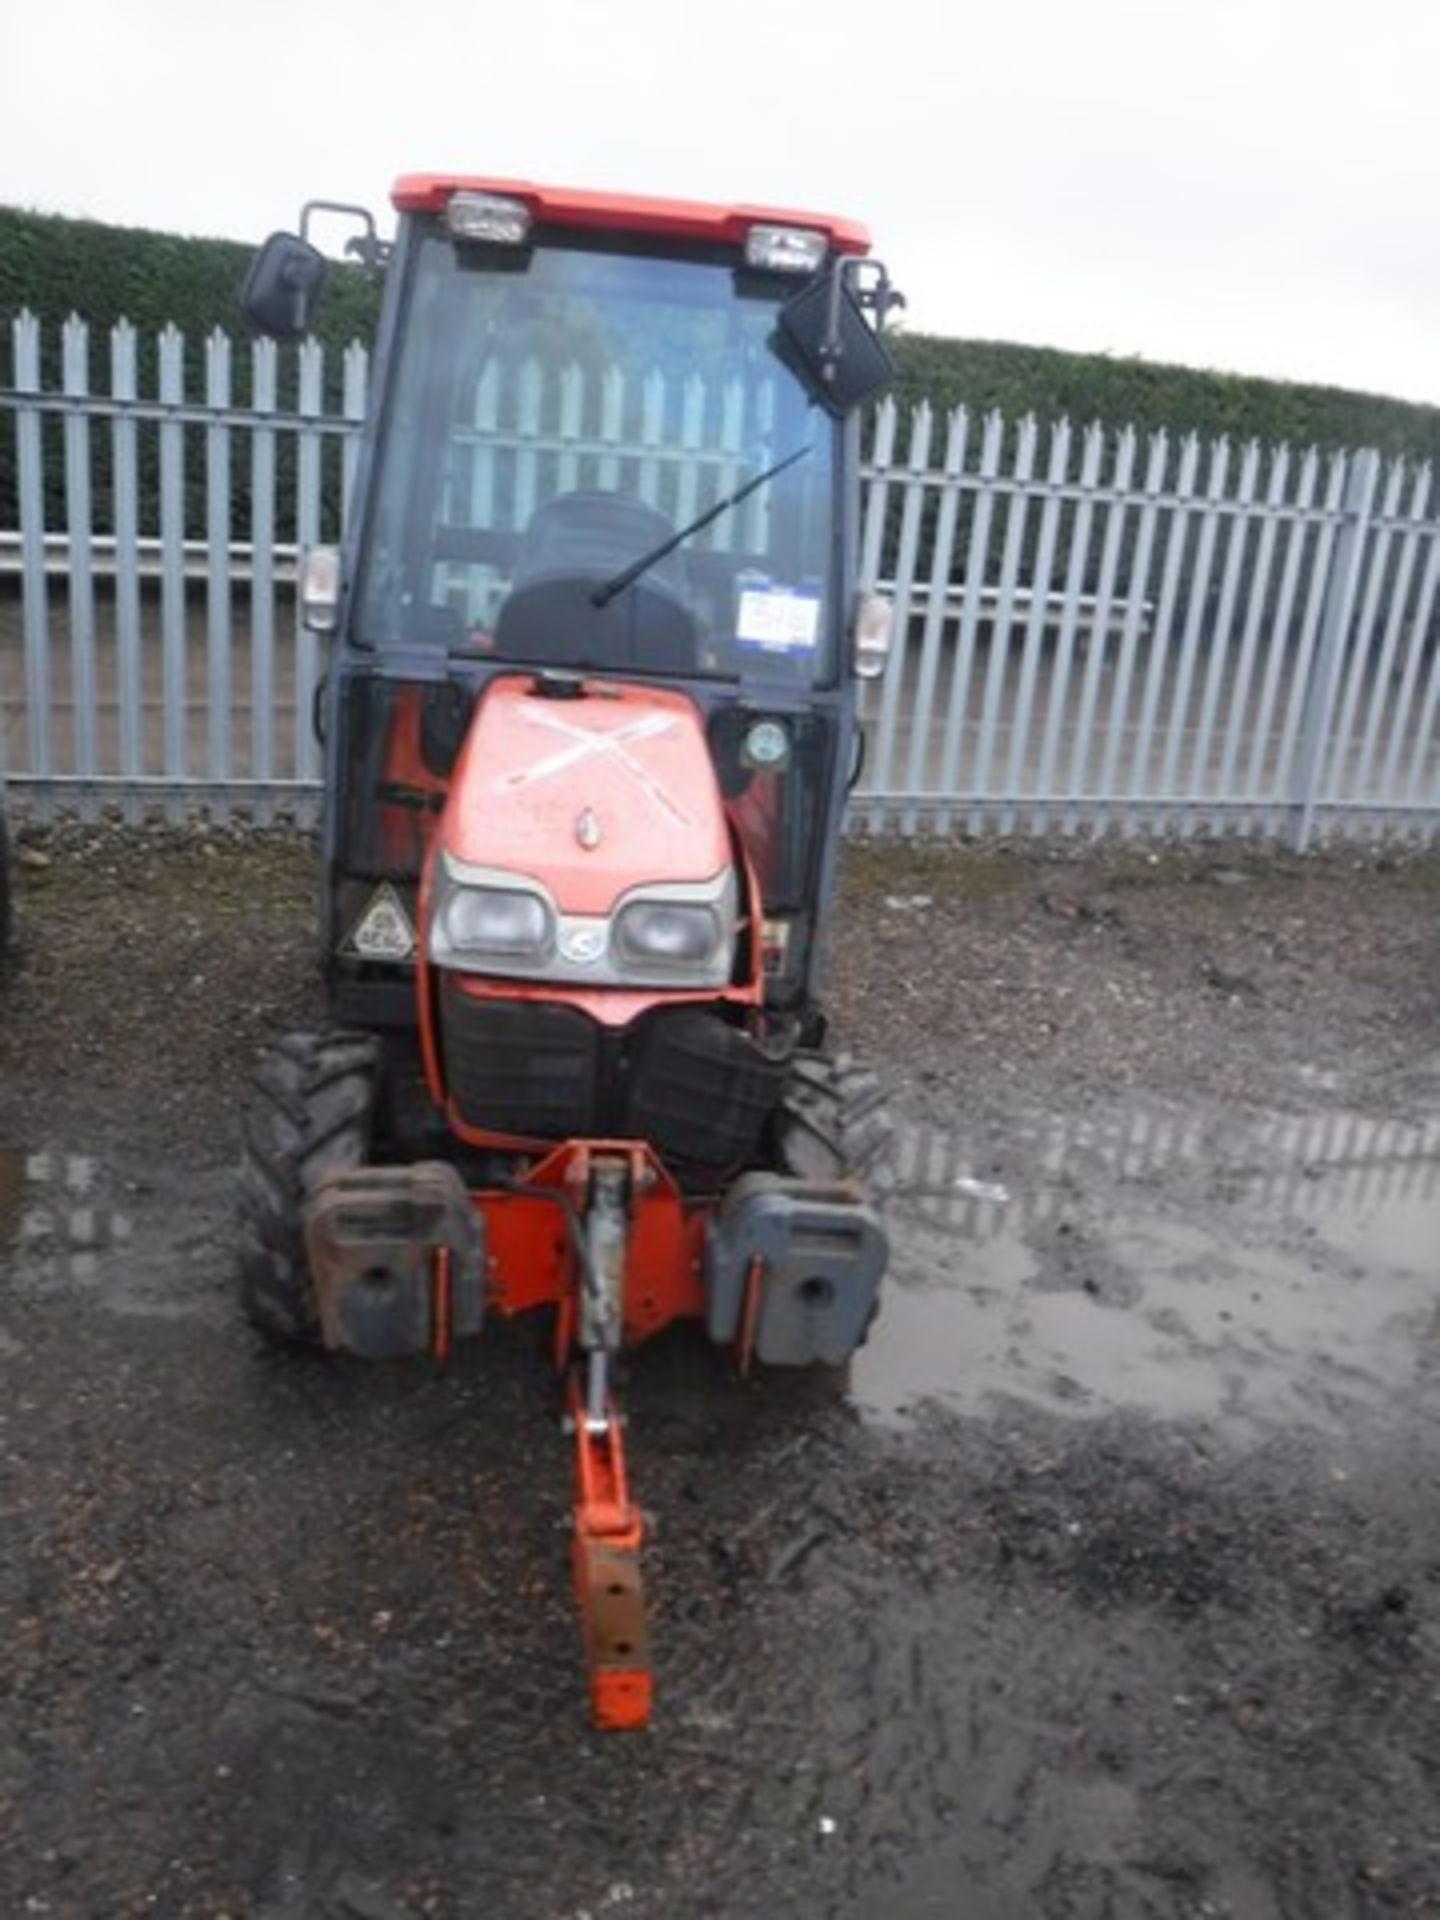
(311, 1114)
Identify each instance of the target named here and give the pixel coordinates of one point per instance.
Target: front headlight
(653, 933)
(474, 924)
(487, 920)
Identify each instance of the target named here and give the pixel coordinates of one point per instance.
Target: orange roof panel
(624, 212)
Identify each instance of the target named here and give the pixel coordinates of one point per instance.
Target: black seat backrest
(594, 535)
(571, 544)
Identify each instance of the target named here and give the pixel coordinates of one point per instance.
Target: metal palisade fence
(151, 657)
(1094, 632)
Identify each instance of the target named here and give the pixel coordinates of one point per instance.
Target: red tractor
(589, 725)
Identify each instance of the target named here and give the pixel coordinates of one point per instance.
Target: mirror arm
(879, 296)
(367, 247)
(831, 346)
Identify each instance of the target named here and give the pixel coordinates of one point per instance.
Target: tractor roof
(624, 212)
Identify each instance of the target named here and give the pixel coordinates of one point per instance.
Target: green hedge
(54, 266)
(1082, 387)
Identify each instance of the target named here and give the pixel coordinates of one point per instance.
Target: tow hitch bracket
(609, 1591)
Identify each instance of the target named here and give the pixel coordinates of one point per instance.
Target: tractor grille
(698, 1087)
(684, 1078)
(520, 1066)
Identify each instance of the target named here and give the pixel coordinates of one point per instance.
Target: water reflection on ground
(1260, 1268)
(57, 1225)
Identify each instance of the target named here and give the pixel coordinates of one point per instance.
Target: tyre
(311, 1114)
(833, 1123)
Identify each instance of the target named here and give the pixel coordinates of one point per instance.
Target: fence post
(262, 575)
(34, 586)
(310, 400)
(172, 567)
(129, 664)
(1346, 564)
(80, 586)
(916, 476)
(218, 635)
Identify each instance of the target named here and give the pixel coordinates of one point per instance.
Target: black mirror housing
(282, 288)
(827, 339)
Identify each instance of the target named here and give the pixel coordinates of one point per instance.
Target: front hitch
(609, 1591)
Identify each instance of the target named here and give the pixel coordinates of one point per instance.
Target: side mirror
(319, 589)
(283, 286)
(874, 630)
(832, 346)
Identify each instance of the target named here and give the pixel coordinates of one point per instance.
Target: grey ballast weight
(371, 1236)
(822, 1254)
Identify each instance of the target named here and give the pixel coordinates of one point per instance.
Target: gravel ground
(1109, 1586)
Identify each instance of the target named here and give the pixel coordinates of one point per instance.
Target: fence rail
(107, 560)
(1095, 632)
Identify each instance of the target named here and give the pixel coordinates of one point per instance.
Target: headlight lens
(654, 933)
(484, 920)
(494, 920)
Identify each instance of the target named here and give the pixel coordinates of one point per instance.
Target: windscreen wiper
(603, 595)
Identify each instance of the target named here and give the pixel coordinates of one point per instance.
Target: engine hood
(590, 796)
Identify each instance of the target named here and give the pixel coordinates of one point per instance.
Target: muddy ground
(1110, 1586)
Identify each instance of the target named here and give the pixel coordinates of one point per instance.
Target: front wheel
(312, 1114)
(833, 1122)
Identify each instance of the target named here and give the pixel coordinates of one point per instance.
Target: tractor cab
(589, 725)
(612, 438)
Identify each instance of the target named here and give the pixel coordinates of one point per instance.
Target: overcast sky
(1241, 184)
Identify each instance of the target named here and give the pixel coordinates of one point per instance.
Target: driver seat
(570, 545)
(596, 534)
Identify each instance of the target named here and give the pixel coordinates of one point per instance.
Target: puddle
(1257, 1269)
(1396, 1230)
(1264, 1271)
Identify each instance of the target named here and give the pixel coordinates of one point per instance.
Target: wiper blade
(603, 595)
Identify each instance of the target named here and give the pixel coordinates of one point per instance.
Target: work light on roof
(785, 249)
(489, 217)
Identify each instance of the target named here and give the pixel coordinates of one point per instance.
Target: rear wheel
(312, 1114)
(834, 1124)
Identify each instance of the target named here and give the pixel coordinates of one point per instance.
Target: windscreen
(561, 413)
